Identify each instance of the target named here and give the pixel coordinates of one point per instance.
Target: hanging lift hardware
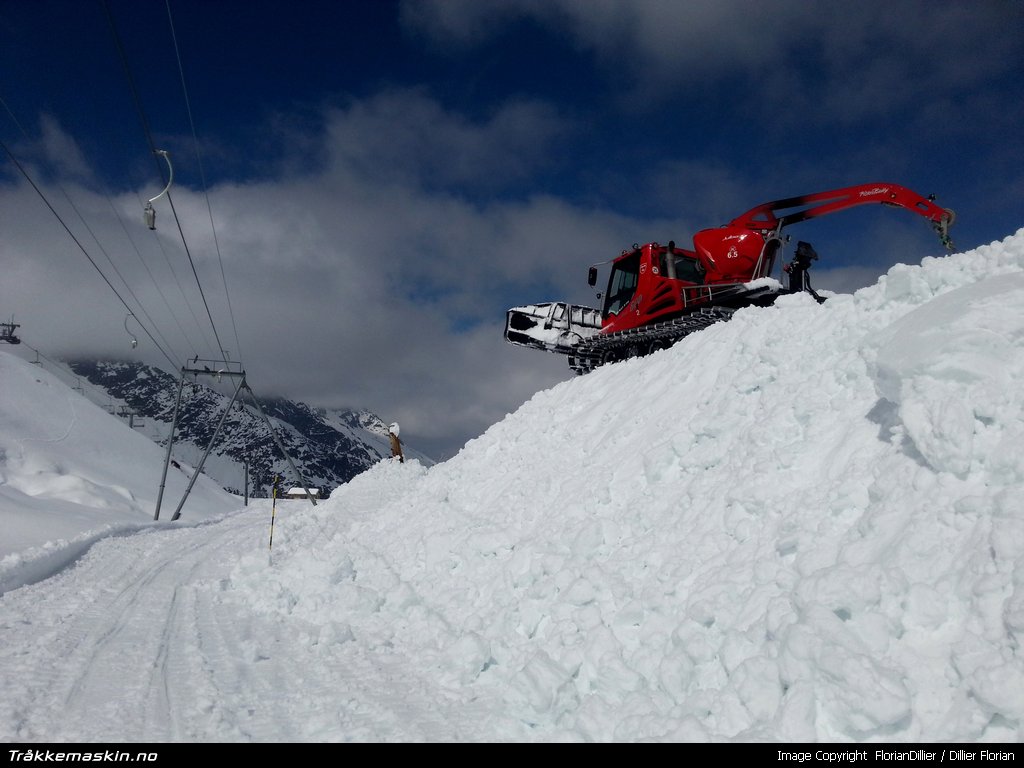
(134, 341)
(150, 213)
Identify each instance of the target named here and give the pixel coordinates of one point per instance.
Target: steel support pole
(209, 447)
(170, 442)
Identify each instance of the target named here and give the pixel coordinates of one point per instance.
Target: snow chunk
(949, 367)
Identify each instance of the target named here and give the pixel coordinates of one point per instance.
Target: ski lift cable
(156, 153)
(184, 297)
(81, 218)
(113, 266)
(152, 277)
(199, 284)
(14, 119)
(131, 84)
(81, 247)
(203, 332)
(202, 176)
(61, 368)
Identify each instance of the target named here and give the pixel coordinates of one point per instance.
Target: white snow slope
(70, 473)
(803, 525)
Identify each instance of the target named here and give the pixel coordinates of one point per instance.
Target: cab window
(690, 270)
(622, 284)
(682, 267)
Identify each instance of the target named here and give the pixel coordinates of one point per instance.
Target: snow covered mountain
(329, 447)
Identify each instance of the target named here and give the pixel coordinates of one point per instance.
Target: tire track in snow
(87, 665)
(144, 640)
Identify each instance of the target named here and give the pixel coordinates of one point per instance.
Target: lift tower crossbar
(232, 371)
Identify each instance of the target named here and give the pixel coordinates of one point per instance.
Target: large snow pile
(804, 524)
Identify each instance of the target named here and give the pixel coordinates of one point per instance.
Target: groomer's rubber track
(636, 342)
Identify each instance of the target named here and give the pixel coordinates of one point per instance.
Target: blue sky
(386, 178)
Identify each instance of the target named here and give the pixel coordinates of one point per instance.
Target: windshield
(622, 284)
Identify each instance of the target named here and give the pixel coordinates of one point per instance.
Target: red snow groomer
(657, 294)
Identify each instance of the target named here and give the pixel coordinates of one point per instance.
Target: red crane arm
(772, 216)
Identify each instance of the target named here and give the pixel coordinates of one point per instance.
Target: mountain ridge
(329, 446)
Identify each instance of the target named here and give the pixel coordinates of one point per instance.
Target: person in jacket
(396, 443)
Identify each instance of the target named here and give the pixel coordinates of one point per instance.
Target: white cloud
(385, 138)
(363, 281)
(60, 149)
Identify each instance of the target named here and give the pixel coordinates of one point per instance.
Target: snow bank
(803, 524)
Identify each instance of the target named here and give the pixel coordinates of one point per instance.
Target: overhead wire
(202, 174)
(81, 218)
(149, 138)
(81, 247)
(200, 325)
(195, 273)
(202, 177)
(113, 266)
(181, 290)
(152, 277)
(156, 285)
(62, 368)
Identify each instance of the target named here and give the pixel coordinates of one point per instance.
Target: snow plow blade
(554, 326)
